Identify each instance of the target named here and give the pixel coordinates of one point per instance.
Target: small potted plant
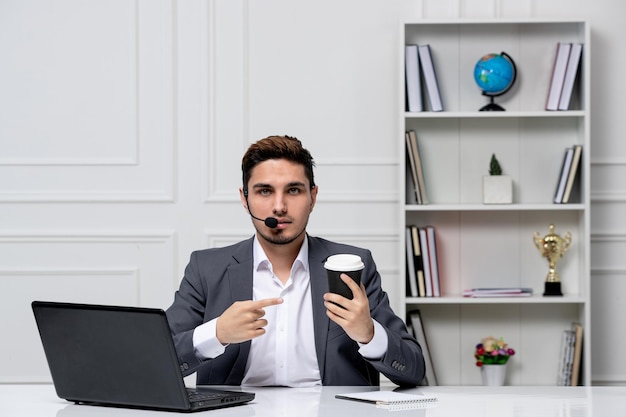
(497, 188)
(492, 356)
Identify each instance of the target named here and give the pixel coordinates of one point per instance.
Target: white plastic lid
(344, 262)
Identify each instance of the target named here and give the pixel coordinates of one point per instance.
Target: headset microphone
(270, 222)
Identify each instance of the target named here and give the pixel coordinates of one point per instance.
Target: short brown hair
(276, 147)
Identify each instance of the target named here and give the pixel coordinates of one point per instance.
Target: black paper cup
(335, 265)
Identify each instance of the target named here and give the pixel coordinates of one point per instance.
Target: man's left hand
(352, 315)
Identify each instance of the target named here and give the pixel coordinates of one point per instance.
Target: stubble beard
(279, 238)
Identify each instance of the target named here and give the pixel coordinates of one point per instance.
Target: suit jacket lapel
(240, 272)
(319, 286)
(239, 275)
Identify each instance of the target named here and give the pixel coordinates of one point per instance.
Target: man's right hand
(243, 321)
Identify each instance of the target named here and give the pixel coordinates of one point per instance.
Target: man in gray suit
(259, 312)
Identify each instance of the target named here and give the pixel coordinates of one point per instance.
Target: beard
(279, 237)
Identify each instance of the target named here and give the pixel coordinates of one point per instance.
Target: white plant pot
(497, 189)
(493, 375)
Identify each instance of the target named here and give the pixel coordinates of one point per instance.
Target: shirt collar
(261, 260)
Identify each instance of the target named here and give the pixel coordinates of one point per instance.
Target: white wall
(122, 125)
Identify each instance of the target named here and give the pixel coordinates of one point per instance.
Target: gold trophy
(552, 247)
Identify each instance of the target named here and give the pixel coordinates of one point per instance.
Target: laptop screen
(111, 354)
(117, 356)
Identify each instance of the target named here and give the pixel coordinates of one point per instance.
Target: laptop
(120, 356)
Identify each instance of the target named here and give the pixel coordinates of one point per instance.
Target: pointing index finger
(266, 302)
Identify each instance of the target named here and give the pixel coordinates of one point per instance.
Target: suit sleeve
(185, 314)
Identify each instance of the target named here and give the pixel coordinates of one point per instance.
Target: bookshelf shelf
(494, 207)
(491, 245)
(535, 299)
(494, 115)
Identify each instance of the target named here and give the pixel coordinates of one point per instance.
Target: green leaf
(494, 166)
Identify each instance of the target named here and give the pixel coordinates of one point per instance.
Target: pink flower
(492, 351)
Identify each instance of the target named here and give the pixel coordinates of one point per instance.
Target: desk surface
(41, 401)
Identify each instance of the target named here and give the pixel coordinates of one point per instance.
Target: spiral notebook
(391, 399)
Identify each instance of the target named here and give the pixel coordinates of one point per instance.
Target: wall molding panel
(19, 287)
(608, 289)
(109, 136)
(225, 136)
(151, 253)
(365, 185)
(122, 267)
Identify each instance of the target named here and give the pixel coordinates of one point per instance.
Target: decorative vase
(493, 375)
(497, 189)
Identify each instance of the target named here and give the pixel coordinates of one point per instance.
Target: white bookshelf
(492, 245)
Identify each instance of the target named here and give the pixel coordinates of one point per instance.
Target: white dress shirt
(285, 355)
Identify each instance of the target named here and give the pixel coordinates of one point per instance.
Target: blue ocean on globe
(494, 73)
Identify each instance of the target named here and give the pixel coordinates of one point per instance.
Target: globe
(495, 74)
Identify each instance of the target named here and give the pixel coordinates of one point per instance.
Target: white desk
(41, 401)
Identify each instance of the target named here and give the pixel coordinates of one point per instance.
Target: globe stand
(491, 106)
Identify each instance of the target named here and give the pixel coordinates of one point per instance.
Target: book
(572, 173)
(390, 399)
(433, 256)
(419, 262)
(558, 75)
(430, 78)
(413, 79)
(498, 292)
(571, 73)
(562, 181)
(409, 187)
(419, 169)
(428, 283)
(412, 167)
(417, 324)
(566, 358)
(577, 353)
(561, 363)
(410, 264)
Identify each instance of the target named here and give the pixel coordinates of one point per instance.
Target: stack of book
(569, 173)
(414, 164)
(564, 75)
(498, 292)
(422, 262)
(420, 68)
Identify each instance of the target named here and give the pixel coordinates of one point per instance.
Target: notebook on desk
(119, 356)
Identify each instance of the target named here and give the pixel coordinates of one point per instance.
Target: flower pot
(493, 375)
(497, 189)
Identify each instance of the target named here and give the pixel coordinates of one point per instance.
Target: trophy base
(552, 289)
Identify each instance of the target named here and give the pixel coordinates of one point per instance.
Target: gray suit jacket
(215, 278)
